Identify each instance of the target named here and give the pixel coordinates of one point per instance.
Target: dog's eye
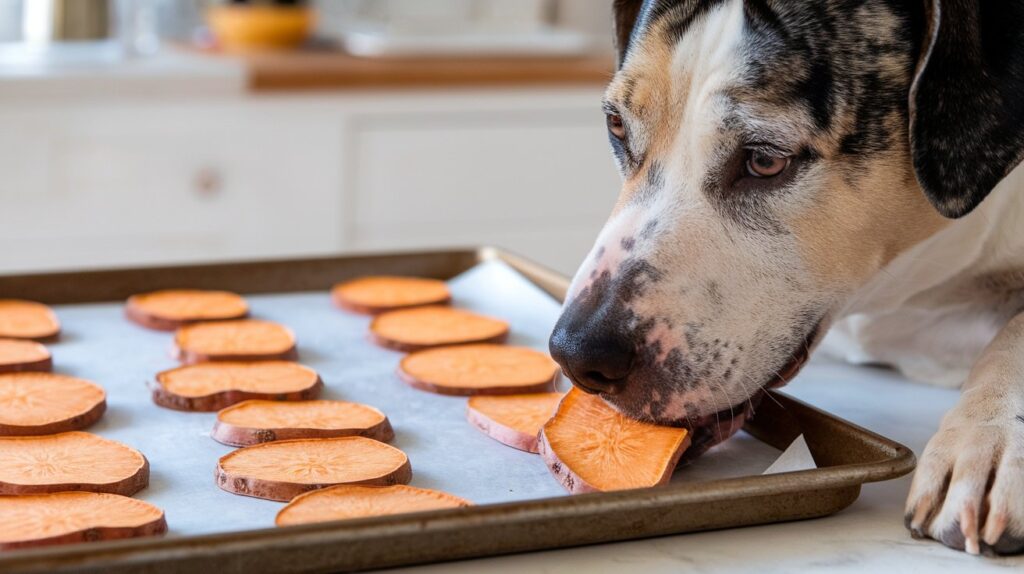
(616, 126)
(761, 164)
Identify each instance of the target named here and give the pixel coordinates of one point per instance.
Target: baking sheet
(445, 451)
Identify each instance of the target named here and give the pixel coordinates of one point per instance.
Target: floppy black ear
(626, 14)
(967, 100)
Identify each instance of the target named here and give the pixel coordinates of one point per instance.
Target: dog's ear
(626, 14)
(967, 100)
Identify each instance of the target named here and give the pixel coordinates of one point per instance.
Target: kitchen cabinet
(132, 181)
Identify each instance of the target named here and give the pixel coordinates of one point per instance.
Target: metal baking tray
(847, 456)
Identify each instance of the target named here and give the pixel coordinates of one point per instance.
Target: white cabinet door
(540, 182)
(156, 184)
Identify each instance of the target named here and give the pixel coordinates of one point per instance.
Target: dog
(792, 168)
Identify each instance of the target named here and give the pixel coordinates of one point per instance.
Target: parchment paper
(445, 451)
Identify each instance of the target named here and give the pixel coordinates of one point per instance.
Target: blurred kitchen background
(137, 132)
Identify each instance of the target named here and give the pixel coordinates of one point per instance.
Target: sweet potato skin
(97, 534)
(231, 435)
(40, 366)
(187, 357)
(285, 491)
(125, 487)
(78, 422)
(217, 401)
(412, 381)
(411, 347)
(149, 321)
(505, 435)
(378, 309)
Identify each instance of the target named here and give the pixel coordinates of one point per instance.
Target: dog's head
(776, 155)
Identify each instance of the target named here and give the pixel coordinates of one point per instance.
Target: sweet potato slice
(21, 319)
(434, 326)
(513, 420)
(169, 309)
(33, 520)
(588, 446)
(18, 355)
(479, 370)
(241, 340)
(347, 502)
(284, 469)
(254, 422)
(47, 403)
(70, 461)
(372, 295)
(214, 386)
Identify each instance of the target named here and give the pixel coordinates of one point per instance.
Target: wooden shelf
(333, 70)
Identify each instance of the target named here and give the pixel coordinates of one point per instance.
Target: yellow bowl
(259, 28)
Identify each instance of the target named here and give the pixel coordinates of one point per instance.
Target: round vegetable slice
(513, 420)
(48, 403)
(241, 340)
(346, 502)
(377, 294)
(589, 446)
(254, 422)
(214, 386)
(70, 461)
(21, 319)
(33, 520)
(18, 355)
(284, 469)
(169, 309)
(434, 326)
(479, 370)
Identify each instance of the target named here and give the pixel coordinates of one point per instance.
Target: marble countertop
(866, 537)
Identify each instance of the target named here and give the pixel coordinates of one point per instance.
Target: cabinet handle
(208, 182)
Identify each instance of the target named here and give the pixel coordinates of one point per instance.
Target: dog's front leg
(968, 491)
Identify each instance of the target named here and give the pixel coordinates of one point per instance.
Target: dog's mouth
(712, 429)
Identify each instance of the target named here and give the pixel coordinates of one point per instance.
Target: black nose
(596, 358)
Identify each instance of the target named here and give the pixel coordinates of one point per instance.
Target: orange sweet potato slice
(241, 340)
(70, 461)
(589, 447)
(373, 295)
(18, 355)
(254, 422)
(217, 385)
(47, 403)
(33, 520)
(169, 309)
(513, 420)
(347, 502)
(284, 469)
(434, 326)
(479, 370)
(27, 320)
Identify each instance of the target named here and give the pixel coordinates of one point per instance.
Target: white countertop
(866, 537)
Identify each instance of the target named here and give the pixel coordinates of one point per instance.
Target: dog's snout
(594, 358)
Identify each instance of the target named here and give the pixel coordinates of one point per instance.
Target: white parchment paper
(445, 451)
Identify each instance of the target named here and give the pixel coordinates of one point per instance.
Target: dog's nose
(595, 361)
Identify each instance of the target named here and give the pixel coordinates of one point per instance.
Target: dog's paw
(968, 490)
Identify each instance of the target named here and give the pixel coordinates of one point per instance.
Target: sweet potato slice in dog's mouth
(377, 294)
(47, 403)
(282, 470)
(217, 385)
(479, 370)
(34, 520)
(434, 326)
(348, 502)
(513, 420)
(589, 447)
(17, 355)
(70, 461)
(241, 340)
(172, 308)
(21, 319)
(254, 422)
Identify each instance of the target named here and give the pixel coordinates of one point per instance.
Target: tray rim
(895, 460)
